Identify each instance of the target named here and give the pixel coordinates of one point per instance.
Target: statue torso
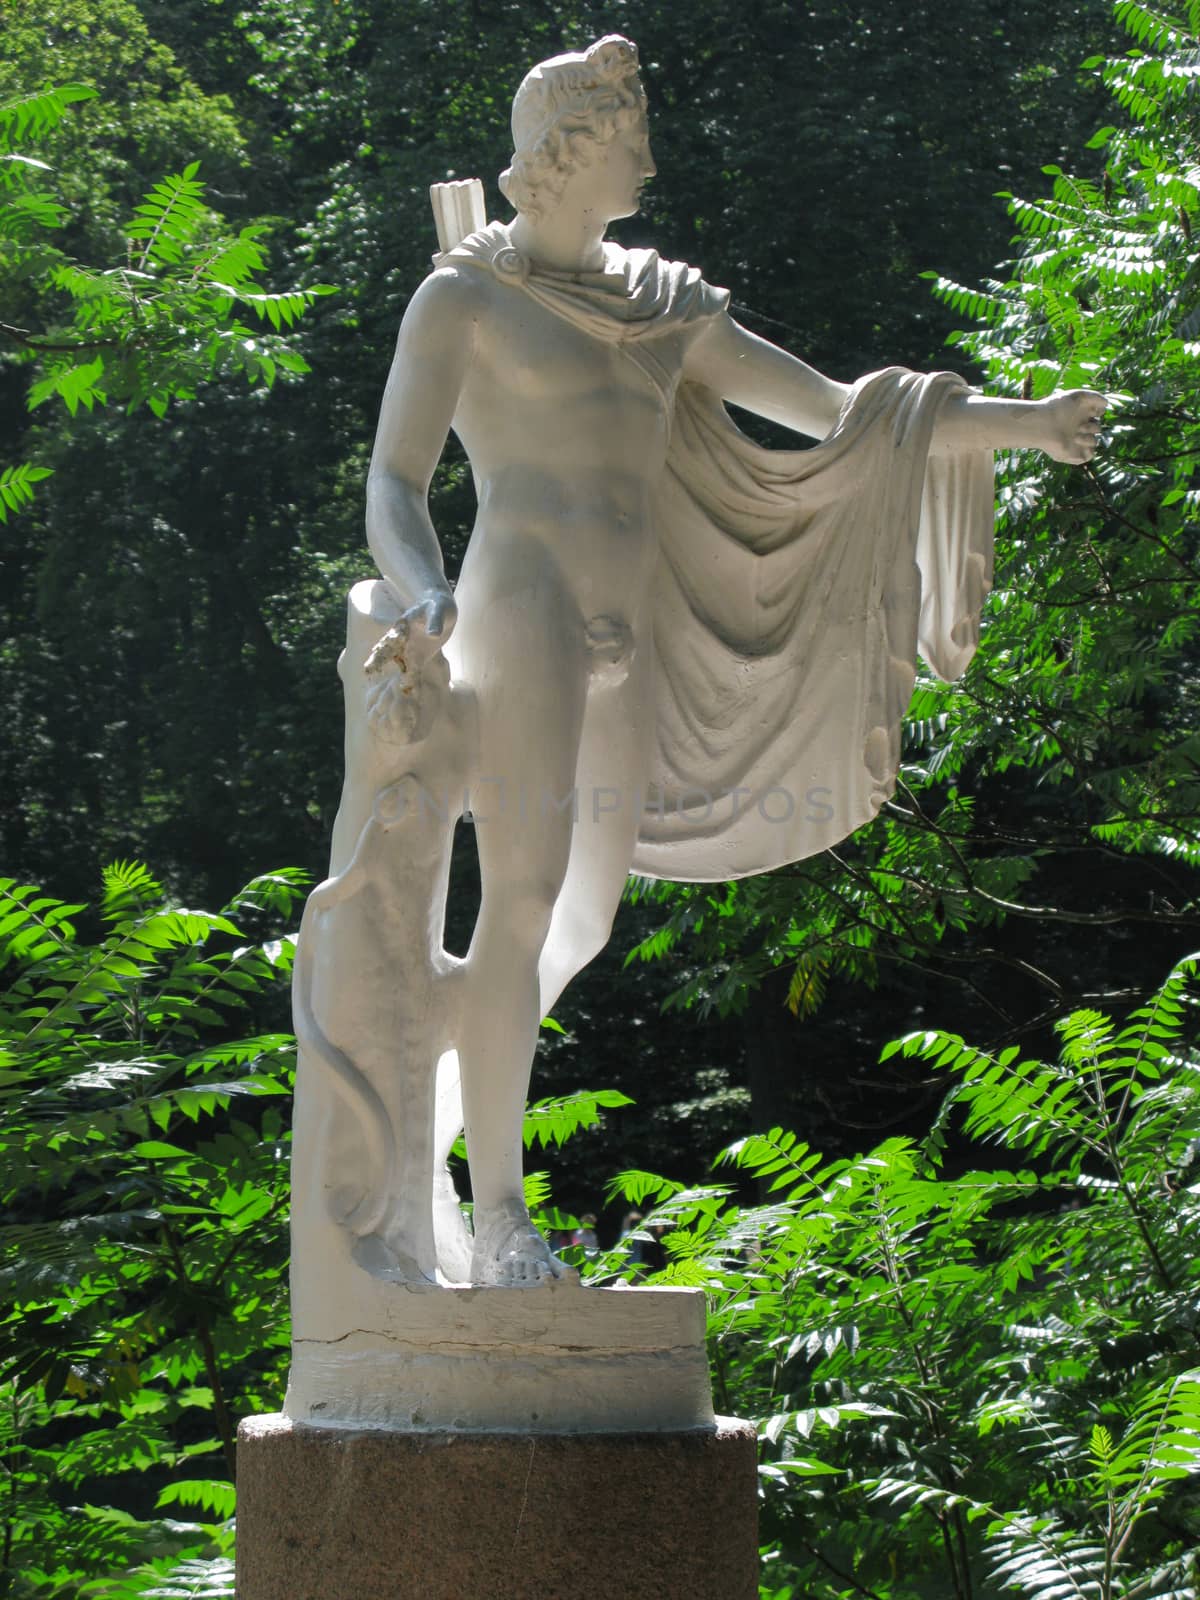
(567, 438)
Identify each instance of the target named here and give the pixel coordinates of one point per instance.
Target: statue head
(564, 108)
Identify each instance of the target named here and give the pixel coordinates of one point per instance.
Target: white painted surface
(553, 1359)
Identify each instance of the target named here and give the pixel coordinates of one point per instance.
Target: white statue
(669, 651)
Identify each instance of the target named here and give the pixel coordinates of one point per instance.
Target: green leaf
(37, 113)
(16, 487)
(209, 1494)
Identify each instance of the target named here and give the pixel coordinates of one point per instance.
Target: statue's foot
(510, 1252)
(455, 1246)
(383, 1259)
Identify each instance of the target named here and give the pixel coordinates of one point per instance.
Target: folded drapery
(793, 590)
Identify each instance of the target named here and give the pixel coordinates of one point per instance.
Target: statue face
(611, 183)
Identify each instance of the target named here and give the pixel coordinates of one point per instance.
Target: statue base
(555, 1359)
(371, 1514)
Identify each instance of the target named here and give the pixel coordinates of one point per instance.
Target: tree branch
(44, 345)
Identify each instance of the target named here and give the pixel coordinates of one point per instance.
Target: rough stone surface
(345, 1514)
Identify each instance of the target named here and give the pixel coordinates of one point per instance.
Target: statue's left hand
(1071, 425)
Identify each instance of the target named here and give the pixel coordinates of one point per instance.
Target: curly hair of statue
(563, 108)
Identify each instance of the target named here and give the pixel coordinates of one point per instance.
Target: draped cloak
(793, 588)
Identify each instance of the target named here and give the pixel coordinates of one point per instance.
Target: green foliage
(155, 322)
(153, 327)
(143, 1254)
(193, 1578)
(37, 113)
(554, 1120)
(62, 203)
(1040, 852)
(974, 1378)
(145, 552)
(16, 486)
(960, 1378)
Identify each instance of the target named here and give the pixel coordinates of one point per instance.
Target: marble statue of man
(689, 656)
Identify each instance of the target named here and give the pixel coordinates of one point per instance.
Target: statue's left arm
(760, 377)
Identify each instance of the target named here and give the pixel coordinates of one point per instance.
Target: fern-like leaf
(16, 487)
(168, 218)
(32, 115)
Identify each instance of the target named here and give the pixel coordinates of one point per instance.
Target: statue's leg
(524, 656)
(452, 1237)
(618, 725)
(613, 755)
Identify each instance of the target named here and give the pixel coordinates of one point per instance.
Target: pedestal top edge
(530, 1296)
(277, 1426)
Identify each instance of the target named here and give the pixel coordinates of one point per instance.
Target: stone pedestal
(371, 1514)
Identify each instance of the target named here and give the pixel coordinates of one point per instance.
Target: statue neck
(570, 239)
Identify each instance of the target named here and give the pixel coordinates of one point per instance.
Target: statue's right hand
(406, 675)
(1071, 424)
(434, 615)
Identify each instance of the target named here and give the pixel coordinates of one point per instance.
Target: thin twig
(843, 1577)
(45, 345)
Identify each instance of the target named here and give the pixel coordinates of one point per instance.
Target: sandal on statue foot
(510, 1253)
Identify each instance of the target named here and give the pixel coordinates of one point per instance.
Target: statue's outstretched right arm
(758, 376)
(764, 379)
(433, 353)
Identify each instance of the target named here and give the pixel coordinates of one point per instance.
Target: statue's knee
(527, 907)
(585, 936)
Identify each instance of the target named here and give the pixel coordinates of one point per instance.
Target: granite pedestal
(372, 1514)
